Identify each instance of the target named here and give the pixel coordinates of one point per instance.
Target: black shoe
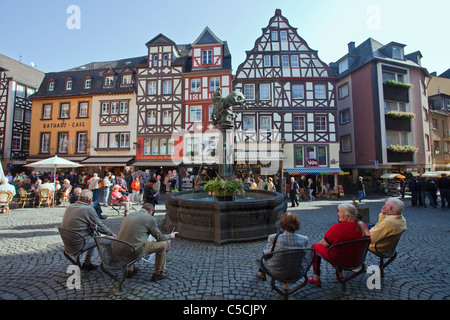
(88, 267)
(104, 217)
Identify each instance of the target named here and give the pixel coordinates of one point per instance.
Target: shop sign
(312, 163)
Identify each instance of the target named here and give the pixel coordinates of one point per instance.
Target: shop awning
(259, 155)
(106, 161)
(392, 176)
(314, 171)
(152, 163)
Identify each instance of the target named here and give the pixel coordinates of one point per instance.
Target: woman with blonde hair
(120, 199)
(350, 227)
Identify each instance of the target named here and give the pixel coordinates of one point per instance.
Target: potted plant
(402, 149)
(224, 189)
(400, 115)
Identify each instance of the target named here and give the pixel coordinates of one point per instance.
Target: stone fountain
(199, 216)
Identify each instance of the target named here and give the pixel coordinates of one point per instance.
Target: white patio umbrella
(2, 174)
(54, 163)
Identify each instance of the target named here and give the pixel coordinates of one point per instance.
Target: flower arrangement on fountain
(224, 187)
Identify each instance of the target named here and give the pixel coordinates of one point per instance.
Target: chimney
(351, 46)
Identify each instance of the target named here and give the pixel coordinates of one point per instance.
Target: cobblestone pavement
(32, 265)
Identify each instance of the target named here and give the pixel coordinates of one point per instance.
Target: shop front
(327, 180)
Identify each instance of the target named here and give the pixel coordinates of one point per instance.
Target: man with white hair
(6, 186)
(390, 222)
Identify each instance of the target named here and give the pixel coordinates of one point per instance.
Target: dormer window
(51, 85)
(343, 65)
(207, 57)
(87, 83)
(397, 53)
(155, 61)
(165, 60)
(109, 81)
(69, 84)
(126, 79)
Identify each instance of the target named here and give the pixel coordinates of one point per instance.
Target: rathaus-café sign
(62, 125)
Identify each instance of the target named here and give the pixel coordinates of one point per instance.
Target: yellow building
(60, 126)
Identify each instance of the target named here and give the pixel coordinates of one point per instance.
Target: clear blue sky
(36, 31)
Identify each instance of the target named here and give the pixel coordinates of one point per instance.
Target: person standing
(443, 184)
(94, 187)
(107, 184)
(361, 188)
(414, 188)
(312, 189)
(136, 188)
(293, 192)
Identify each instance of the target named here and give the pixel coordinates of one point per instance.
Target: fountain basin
(199, 216)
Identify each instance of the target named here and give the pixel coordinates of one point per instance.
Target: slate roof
(445, 74)
(21, 72)
(95, 71)
(368, 51)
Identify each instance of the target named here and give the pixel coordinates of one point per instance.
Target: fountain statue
(199, 216)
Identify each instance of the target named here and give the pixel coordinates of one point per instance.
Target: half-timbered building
(290, 94)
(207, 68)
(17, 83)
(159, 101)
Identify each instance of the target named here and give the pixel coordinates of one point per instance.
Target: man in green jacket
(136, 228)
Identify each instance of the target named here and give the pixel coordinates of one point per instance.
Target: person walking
(293, 192)
(312, 189)
(94, 187)
(361, 189)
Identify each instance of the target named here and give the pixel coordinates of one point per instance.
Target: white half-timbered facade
(290, 94)
(159, 101)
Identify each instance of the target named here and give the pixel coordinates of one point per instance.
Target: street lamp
(283, 184)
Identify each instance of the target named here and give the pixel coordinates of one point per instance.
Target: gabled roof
(207, 37)
(21, 72)
(445, 74)
(160, 39)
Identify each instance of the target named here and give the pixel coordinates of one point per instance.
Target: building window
(47, 111)
(266, 61)
(346, 143)
(123, 107)
(265, 123)
(299, 123)
(395, 106)
(294, 61)
(343, 65)
(283, 35)
(16, 142)
(195, 85)
(163, 146)
(248, 123)
(322, 155)
(249, 91)
(20, 91)
(345, 116)
(109, 81)
(51, 86)
(102, 141)
(274, 35)
(124, 140)
(195, 114)
(83, 109)
(320, 123)
(126, 79)
(214, 83)
(151, 88)
(155, 61)
(26, 143)
(45, 143)
(69, 84)
(298, 91)
(392, 76)
(81, 142)
(207, 56)
(165, 60)
(63, 142)
(276, 61)
(210, 112)
(114, 107)
(298, 156)
(64, 111)
(18, 114)
(167, 117)
(343, 91)
(319, 91)
(27, 116)
(264, 91)
(167, 87)
(87, 83)
(285, 61)
(151, 117)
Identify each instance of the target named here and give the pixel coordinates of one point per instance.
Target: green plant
(394, 83)
(402, 149)
(400, 115)
(223, 187)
